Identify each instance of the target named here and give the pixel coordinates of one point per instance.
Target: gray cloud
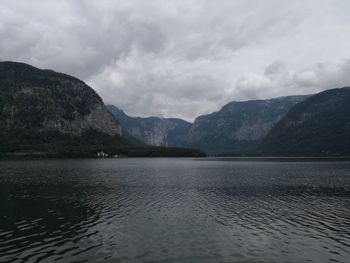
(183, 58)
(280, 80)
(275, 68)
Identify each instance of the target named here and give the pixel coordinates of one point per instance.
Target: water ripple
(174, 210)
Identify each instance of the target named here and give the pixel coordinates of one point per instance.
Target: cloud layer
(182, 58)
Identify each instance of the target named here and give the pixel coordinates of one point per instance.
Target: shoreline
(233, 158)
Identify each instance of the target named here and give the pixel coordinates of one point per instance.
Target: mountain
(237, 127)
(318, 126)
(153, 130)
(50, 113)
(34, 101)
(41, 106)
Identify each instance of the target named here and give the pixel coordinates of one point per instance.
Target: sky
(183, 58)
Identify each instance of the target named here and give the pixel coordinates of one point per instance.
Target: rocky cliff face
(97, 119)
(153, 130)
(320, 125)
(35, 101)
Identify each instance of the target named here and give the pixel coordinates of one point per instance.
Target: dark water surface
(175, 210)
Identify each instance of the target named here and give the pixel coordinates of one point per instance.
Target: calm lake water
(175, 210)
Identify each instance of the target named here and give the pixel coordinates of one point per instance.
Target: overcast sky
(183, 58)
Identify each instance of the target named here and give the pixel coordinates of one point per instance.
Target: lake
(175, 210)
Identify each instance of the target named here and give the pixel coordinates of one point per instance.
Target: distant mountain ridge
(318, 126)
(237, 126)
(153, 130)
